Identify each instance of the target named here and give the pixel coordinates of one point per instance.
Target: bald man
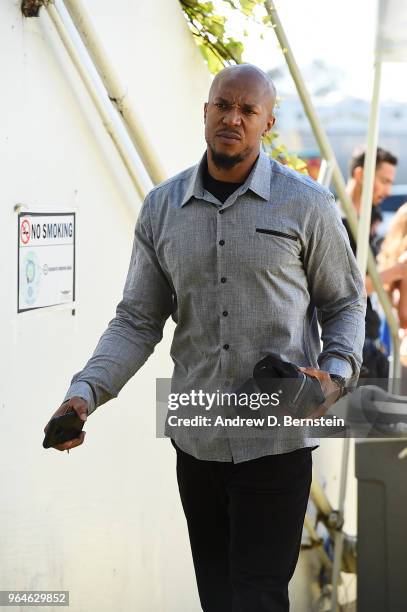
(244, 254)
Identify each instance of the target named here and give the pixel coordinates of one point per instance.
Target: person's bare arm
(402, 305)
(389, 277)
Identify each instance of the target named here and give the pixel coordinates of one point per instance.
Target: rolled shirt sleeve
(132, 334)
(337, 290)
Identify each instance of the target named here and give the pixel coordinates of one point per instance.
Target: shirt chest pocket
(273, 248)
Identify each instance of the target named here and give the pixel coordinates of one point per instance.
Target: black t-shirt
(372, 320)
(220, 189)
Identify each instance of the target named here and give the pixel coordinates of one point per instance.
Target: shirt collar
(195, 185)
(258, 180)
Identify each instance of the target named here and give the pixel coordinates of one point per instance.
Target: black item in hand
(300, 394)
(63, 428)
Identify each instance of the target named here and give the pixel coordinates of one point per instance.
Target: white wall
(104, 522)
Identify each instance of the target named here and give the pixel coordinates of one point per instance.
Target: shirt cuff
(83, 390)
(337, 366)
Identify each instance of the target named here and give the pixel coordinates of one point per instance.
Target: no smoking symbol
(25, 231)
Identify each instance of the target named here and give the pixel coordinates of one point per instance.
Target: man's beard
(224, 161)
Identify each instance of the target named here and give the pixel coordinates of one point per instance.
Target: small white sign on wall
(46, 259)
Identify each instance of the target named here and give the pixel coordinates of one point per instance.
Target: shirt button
(221, 212)
(223, 279)
(221, 242)
(226, 347)
(225, 313)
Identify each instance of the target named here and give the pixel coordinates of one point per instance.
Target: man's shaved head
(239, 112)
(253, 74)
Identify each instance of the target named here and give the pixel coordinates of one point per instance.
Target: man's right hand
(81, 408)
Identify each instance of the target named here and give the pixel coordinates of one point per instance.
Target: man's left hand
(329, 388)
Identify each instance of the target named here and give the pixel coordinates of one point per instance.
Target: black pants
(245, 523)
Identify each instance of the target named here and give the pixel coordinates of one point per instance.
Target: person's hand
(329, 388)
(392, 276)
(402, 264)
(403, 258)
(81, 408)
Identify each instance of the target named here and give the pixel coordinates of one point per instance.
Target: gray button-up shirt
(195, 258)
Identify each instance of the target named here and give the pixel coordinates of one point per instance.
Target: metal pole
(102, 107)
(368, 174)
(362, 248)
(116, 92)
(339, 535)
(319, 497)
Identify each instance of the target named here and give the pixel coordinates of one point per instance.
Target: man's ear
(205, 110)
(358, 174)
(269, 125)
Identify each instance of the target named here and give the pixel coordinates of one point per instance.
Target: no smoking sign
(25, 230)
(46, 259)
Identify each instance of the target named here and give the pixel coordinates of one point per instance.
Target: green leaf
(214, 27)
(214, 63)
(247, 6)
(235, 49)
(206, 7)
